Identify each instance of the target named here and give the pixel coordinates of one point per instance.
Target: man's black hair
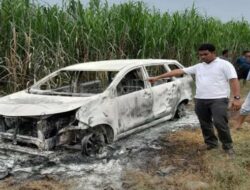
(225, 51)
(209, 47)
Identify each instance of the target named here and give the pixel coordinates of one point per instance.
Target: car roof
(114, 65)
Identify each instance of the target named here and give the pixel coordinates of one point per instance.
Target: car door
(134, 100)
(185, 87)
(164, 91)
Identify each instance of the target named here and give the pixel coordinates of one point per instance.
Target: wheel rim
(92, 143)
(182, 110)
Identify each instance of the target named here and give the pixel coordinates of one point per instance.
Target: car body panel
(26, 104)
(98, 110)
(134, 109)
(165, 98)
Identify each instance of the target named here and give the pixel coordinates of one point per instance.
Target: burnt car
(93, 104)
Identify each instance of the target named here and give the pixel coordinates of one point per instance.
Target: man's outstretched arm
(173, 73)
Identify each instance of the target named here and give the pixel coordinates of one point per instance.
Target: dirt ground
(179, 165)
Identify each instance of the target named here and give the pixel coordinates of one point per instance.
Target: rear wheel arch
(184, 101)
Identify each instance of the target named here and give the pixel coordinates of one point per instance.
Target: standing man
(213, 77)
(242, 65)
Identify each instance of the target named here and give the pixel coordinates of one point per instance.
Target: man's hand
(152, 79)
(236, 105)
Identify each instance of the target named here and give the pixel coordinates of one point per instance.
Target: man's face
(247, 55)
(207, 56)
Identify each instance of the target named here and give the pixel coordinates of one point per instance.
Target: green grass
(36, 40)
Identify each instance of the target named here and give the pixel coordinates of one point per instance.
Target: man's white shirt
(212, 80)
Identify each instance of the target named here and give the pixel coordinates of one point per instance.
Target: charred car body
(92, 104)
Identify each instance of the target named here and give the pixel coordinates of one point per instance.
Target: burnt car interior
(156, 70)
(131, 82)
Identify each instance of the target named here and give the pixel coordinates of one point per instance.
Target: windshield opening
(71, 83)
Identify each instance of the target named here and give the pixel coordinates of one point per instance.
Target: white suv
(94, 103)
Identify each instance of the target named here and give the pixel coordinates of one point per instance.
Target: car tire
(92, 143)
(181, 111)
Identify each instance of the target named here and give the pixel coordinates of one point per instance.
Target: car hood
(26, 104)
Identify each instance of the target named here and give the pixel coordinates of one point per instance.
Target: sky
(225, 10)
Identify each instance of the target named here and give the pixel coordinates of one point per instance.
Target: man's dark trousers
(213, 113)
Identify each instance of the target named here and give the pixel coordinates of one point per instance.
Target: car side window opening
(131, 82)
(94, 81)
(174, 67)
(155, 70)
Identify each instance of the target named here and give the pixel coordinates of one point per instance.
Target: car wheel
(181, 111)
(92, 143)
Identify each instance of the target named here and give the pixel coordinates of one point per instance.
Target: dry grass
(181, 153)
(214, 167)
(48, 184)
